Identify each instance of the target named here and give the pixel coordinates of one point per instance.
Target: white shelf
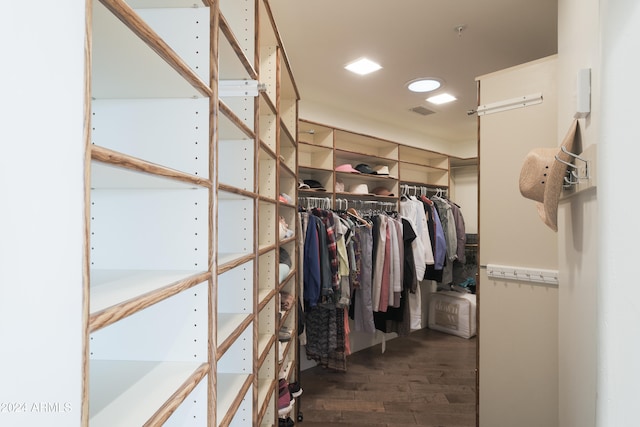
(263, 389)
(228, 323)
(149, 229)
(236, 165)
(240, 14)
(147, 4)
(265, 392)
(235, 289)
(127, 393)
(225, 258)
(111, 287)
(231, 384)
(138, 127)
(262, 293)
(263, 342)
(106, 176)
(229, 130)
(122, 62)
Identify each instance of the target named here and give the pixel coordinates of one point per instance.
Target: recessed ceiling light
(424, 84)
(441, 99)
(363, 66)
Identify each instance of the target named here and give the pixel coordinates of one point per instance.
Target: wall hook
(573, 176)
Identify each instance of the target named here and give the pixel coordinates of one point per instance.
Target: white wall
(618, 310)
(464, 191)
(41, 232)
(578, 47)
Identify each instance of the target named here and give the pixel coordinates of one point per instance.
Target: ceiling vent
(422, 111)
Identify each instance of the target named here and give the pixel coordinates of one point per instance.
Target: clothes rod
(510, 104)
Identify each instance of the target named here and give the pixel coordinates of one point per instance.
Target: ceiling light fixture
(425, 84)
(363, 66)
(443, 98)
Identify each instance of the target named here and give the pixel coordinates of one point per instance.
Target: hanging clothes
(397, 263)
(361, 280)
(461, 233)
(331, 246)
(398, 317)
(301, 230)
(413, 210)
(448, 226)
(324, 317)
(415, 219)
(438, 242)
(369, 270)
(410, 274)
(379, 242)
(342, 232)
(311, 268)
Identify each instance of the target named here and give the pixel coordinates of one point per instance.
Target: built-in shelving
(185, 177)
(322, 149)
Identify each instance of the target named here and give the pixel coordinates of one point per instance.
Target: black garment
(409, 279)
(430, 272)
(320, 323)
(395, 319)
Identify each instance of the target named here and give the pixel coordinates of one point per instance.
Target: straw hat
(542, 177)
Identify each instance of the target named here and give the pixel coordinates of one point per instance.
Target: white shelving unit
(183, 226)
(148, 324)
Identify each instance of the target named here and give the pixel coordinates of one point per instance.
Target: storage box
(453, 313)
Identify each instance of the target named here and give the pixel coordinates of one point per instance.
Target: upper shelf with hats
(343, 163)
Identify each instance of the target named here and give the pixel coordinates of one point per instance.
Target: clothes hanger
(354, 213)
(404, 193)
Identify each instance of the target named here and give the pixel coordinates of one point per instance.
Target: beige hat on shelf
(359, 189)
(542, 176)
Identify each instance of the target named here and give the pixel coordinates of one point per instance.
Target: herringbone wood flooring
(425, 379)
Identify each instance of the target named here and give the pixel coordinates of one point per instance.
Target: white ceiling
(410, 39)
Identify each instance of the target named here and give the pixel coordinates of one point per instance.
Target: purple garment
(311, 266)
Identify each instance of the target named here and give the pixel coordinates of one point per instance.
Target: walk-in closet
(212, 217)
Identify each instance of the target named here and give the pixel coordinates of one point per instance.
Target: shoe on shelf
(286, 301)
(285, 422)
(285, 411)
(284, 398)
(284, 334)
(295, 390)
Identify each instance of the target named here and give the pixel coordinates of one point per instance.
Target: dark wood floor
(425, 379)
